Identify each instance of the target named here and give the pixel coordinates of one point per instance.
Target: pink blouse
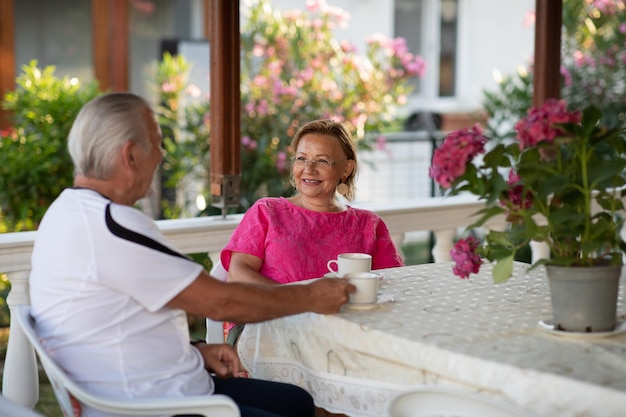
(295, 243)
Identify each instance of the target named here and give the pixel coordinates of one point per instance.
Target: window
(430, 29)
(54, 33)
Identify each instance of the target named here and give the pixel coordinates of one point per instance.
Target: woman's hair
(336, 130)
(102, 127)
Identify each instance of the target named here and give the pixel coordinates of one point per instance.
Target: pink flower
(194, 91)
(381, 143)
(318, 23)
(541, 123)
(260, 81)
(347, 46)
(248, 143)
(416, 66)
(378, 38)
(399, 46)
(567, 76)
(315, 5)
(328, 85)
(516, 200)
(467, 261)
(167, 87)
(258, 50)
(143, 6)
(281, 161)
(341, 16)
(262, 107)
(529, 19)
(606, 7)
(8, 133)
(459, 148)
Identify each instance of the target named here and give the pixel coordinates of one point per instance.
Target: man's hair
(102, 127)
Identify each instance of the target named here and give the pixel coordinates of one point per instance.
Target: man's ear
(129, 155)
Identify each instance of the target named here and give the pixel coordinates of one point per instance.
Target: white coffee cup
(350, 262)
(366, 284)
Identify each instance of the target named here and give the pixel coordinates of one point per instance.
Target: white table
(442, 330)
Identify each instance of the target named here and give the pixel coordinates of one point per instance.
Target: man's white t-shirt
(101, 276)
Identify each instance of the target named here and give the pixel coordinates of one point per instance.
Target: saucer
(548, 326)
(382, 299)
(334, 275)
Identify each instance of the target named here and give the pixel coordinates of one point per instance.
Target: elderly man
(109, 295)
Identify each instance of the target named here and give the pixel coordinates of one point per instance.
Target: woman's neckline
(296, 201)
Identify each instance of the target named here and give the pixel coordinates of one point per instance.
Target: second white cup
(366, 284)
(350, 262)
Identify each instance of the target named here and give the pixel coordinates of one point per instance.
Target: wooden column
(225, 46)
(110, 43)
(207, 20)
(7, 56)
(547, 78)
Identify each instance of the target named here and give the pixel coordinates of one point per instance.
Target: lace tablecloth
(442, 330)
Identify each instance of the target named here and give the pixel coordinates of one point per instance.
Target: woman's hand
(221, 359)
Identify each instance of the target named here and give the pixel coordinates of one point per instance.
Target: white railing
(442, 216)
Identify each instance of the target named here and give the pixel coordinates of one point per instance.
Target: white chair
(68, 392)
(9, 408)
(445, 402)
(215, 329)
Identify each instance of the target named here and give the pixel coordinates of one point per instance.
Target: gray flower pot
(584, 299)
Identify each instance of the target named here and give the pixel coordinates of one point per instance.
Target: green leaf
(502, 270)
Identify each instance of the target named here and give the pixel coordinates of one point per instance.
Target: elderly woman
(283, 240)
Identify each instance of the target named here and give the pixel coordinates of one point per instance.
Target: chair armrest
(215, 405)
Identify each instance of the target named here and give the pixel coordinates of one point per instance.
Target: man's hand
(329, 294)
(221, 359)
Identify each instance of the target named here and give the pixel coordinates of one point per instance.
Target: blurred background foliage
(293, 70)
(593, 68)
(184, 119)
(34, 163)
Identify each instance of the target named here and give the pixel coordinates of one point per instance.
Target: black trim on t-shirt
(127, 234)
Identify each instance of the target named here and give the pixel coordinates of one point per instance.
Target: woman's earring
(342, 187)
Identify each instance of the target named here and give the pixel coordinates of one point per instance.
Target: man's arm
(249, 303)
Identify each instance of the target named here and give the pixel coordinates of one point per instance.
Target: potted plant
(561, 182)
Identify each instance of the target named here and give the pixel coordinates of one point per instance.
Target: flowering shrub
(185, 128)
(34, 163)
(594, 57)
(294, 71)
(593, 68)
(561, 183)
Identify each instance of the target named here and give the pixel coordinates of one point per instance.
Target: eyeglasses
(302, 162)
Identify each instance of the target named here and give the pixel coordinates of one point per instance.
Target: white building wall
(492, 37)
